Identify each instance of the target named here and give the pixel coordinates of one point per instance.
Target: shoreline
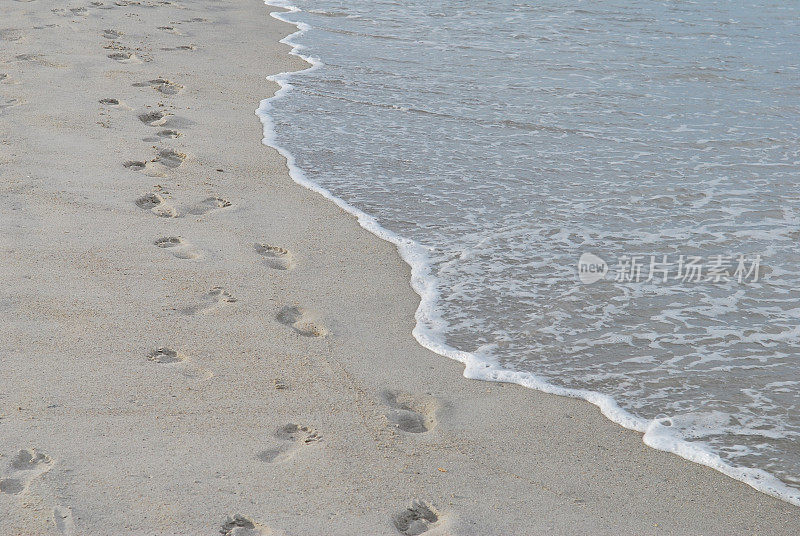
(198, 345)
(654, 434)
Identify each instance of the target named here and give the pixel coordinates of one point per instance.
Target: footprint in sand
(411, 413)
(151, 168)
(280, 384)
(417, 519)
(170, 29)
(178, 247)
(239, 525)
(134, 165)
(214, 299)
(163, 135)
(172, 358)
(125, 57)
(158, 167)
(27, 465)
(156, 118)
(207, 205)
(156, 204)
(275, 257)
(302, 321)
(168, 134)
(162, 85)
(169, 158)
(165, 355)
(161, 118)
(294, 437)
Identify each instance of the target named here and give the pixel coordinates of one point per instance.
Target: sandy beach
(194, 344)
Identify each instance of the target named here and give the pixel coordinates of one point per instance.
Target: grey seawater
(510, 138)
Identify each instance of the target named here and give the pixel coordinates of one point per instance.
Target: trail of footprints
(159, 166)
(406, 412)
(418, 518)
(157, 204)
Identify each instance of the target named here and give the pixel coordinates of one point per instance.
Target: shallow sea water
(508, 139)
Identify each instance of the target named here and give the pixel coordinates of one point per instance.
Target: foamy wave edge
(430, 325)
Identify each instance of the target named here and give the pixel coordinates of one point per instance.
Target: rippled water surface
(511, 137)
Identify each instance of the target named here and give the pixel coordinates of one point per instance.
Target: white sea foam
(431, 327)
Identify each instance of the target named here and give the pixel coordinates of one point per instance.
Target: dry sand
(193, 344)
